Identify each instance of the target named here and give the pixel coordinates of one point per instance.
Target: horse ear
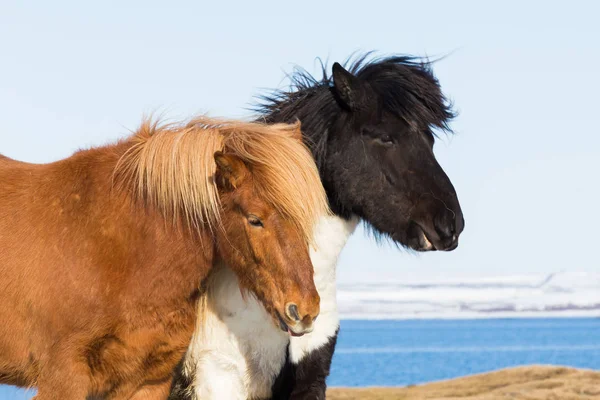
(346, 86)
(231, 169)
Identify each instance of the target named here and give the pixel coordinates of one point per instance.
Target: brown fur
(99, 285)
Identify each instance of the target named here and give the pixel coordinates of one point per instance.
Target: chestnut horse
(103, 253)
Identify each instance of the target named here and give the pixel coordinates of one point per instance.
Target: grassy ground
(523, 383)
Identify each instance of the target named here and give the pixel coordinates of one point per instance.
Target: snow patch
(553, 295)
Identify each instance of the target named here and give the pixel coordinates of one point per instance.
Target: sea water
(398, 353)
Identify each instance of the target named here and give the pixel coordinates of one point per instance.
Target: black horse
(371, 128)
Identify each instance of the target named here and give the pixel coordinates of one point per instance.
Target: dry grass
(522, 383)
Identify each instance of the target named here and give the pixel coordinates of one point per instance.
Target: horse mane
(405, 84)
(172, 167)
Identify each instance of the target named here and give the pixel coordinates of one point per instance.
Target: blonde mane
(172, 167)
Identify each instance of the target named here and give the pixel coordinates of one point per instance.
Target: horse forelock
(172, 166)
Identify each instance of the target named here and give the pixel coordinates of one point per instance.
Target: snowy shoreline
(564, 294)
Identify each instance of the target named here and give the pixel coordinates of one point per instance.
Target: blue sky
(524, 76)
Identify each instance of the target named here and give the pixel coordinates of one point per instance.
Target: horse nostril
(445, 224)
(453, 228)
(292, 312)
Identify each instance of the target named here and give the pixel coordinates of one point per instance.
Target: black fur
(181, 389)
(308, 376)
(371, 128)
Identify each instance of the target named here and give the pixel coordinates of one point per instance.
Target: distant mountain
(556, 294)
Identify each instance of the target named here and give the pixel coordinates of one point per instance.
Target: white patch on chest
(331, 236)
(238, 351)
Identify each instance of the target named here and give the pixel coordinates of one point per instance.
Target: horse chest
(238, 351)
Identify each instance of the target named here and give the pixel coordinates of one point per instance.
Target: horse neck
(164, 259)
(331, 235)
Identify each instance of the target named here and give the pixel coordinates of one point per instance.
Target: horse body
(100, 280)
(62, 253)
(371, 133)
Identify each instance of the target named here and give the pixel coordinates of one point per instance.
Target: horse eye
(379, 137)
(255, 221)
(384, 139)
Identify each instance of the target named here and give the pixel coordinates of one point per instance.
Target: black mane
(406, 85)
